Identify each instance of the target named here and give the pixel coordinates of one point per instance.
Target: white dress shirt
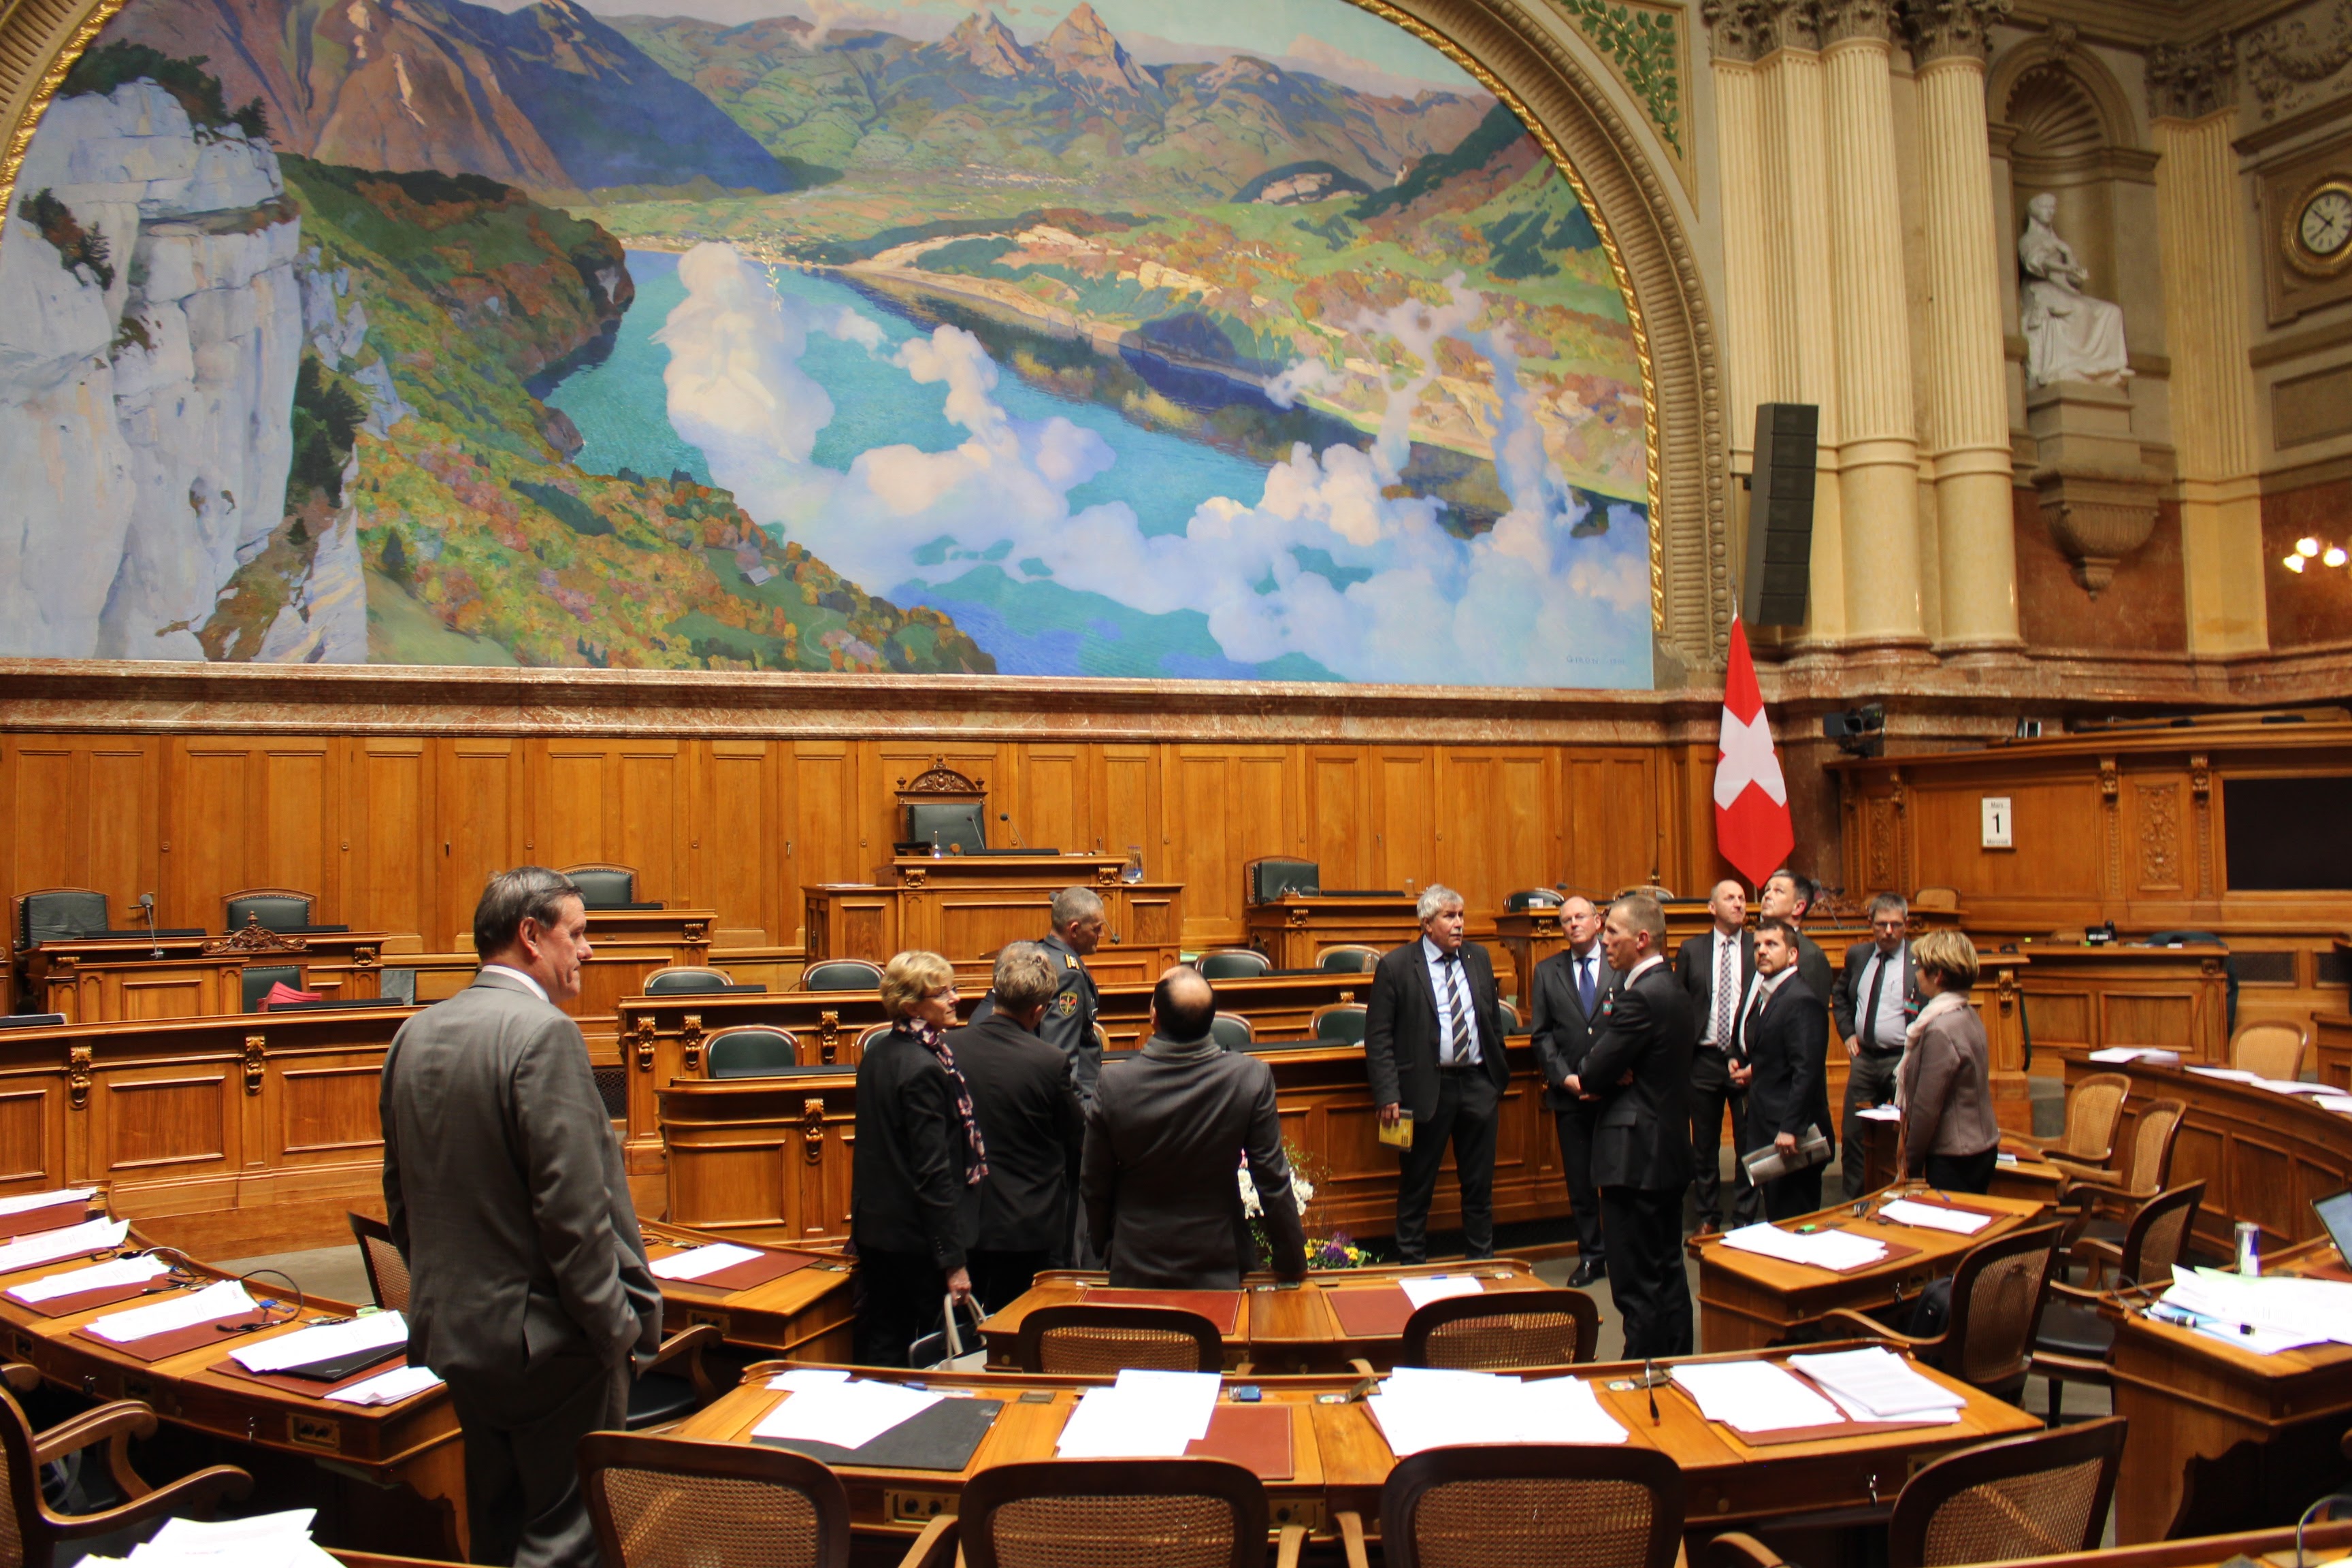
(512, 973)
(1885, 1032)
(1437, 960)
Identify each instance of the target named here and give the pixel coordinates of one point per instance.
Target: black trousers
(1575, 1125)
(998, 1277)
(1963, 1173)
(1869, 1080)
(524, 1499)
(1712, 1093)
(898, 1303)
(1465, 1116)
(1645, 1268)
(1797, 1193)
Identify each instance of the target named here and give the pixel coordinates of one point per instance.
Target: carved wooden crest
(255, 938)
(812, 1131)
(690, 1034)
(645, 1044)
(940, 781)
(256, 1055)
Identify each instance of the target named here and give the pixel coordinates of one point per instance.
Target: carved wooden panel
(329, 1112)
(211, 819)
(143, 1125)
(2262, 1188)
(186, 995)
(1128, 782)
(572, 790)
(298, 817)
(824, 841)
(647, 817)
(2159, 850)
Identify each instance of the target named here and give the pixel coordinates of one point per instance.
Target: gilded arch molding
(1570, 112)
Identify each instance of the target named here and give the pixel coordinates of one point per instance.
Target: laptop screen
(2336, 1214)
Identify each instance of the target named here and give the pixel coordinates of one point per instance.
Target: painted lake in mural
(1221, 341)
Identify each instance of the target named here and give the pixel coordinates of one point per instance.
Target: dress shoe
(1588, 1271)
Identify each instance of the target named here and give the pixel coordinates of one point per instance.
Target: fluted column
(1967, 406)
(1878, 473)
(1737, 37)
(1803, 306)
(2200, 208)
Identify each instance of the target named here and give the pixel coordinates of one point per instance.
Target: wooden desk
(2322, 1542)
(1747, 1300)
(965, 906)
(1280, 1329)
(107, 979)
(1293, 930)
(2082, 999)
(2332, 1049)
(411, 1447)
(1528, 938)
(1341, 1461)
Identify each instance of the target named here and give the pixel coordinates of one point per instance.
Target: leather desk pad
(1222, 1307)
(104, 1296)
(160, 1347)
(770, 1265)
(310, 1387)
(56, 1216)
(1254, 1437)
(1370, 1311)
(943, 1437)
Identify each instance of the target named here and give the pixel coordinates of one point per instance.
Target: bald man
(1161, 1135)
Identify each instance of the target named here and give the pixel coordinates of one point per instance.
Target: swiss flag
(1751, 799)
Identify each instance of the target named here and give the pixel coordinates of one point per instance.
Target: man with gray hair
(1874, 999)
(1434, 1046)
(1024, 1095)
(529, 1292)
(1069, 1023)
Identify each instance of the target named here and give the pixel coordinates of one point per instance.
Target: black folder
(943, 1438)
(334, 1369)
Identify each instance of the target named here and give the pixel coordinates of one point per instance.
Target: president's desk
(965, 906)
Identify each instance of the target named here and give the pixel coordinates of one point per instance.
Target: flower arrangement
(1337, 1251)
(1302, 1193)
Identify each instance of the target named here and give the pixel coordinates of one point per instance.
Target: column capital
(1739, 29)
(1844, 20)
(1943, 29)
(2190, 81)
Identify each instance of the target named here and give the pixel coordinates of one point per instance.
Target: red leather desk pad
(309, 1387)
(770, 1265)
(160, 1347)
(1255, 1436)
(56, 1217)
(1222, 1307)
(1370, 1311)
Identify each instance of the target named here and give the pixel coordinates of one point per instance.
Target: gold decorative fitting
(690, 1034)
(914, 876)
(646, 1045)
(78, 1075)
(2111, 782)
(362, 958)
(1107, 876)
(694, 931)
(828, 1035)
(1297, 917)
(812, 1131)
(255, 1055)
(2201, 777)
(255, 938)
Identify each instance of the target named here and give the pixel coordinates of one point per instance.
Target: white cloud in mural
(1528, 601)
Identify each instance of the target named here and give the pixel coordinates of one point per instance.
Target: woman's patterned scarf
(935, 1043)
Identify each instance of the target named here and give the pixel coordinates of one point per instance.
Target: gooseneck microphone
(147, 902)
(1018, 842)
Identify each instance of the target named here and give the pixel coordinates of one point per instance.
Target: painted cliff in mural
(1215, 340)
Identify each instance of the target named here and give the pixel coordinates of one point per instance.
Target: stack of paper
(1836, 1250)
(2227, 1074)
(1959, 1221)
(270, 1540)
(25, 1203)
(700, 1261)
(1422, 1291)
(331, 1341)
(67, 1241)
(802, 1377)
(2147, 1054)
(1754, 1396)
(1876, 1385)
(1418, 1408)
(1143, 1415)
(225, 1302)
(847, 1414)
(388, 1387)
(2339, 1103)
(2298, 1311)
(92, 1276)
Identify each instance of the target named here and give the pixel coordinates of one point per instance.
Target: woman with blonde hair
(914, 1200)
(1945, 1079)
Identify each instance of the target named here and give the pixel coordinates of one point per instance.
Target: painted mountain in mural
(1074, 105)
(548, 97)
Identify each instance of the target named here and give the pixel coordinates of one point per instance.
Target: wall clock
(2318, 238)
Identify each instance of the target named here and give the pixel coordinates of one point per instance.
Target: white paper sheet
(92, 1276)
(846, 1414)
(1418, 1408)
(25, 1203)
(225, 1302)
(270, 1541)
(1421, 1291)
(802, 1377)
(1143, 1415)
(2293, 1086)
(1754, 1396)
(1959, 1221)
(2340, 1104)
(1836, 1250)
(2227, 1074)
(67, 1241)
(2314, 1310)
(698, 1262)
(388, 1387)
(1880, 1113)
(1876, 1385)
(372, 1332)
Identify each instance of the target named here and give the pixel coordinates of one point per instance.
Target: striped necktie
(1459, 1048)
(1725, 970)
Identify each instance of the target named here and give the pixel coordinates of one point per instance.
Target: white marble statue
(2069, 335)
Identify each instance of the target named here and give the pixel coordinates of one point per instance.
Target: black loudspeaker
(1781, 516)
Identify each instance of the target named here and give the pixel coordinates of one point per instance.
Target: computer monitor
(2336, 1214)
(958, 826)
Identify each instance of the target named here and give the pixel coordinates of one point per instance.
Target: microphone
(147, 902)
(1006, 817)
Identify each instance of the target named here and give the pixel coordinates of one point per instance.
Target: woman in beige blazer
(1949, 1136)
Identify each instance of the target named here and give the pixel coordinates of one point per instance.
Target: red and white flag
(1752, 827)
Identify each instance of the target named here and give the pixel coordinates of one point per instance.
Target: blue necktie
(1584, 983)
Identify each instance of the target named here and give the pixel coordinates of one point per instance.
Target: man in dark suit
(1716, 967)
(1788, 896)
(529, 1293)
(1434, 1046)
(1876, 997)
(1163, 1137)
(1076, 915)
(1568, 987)
(1641, 1151)
(1782, 1040)
(1026, 1100)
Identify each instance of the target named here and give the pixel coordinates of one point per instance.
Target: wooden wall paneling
(210, 823)
(896, 764)
(301, 790)
(649, 806)
(81, 812)
(571, 815)
(1404, 827)
(1335, 802)
(1493, 831)
(2158, 834)
(1127, 792)
(823, 843)
(734, 842)
(483, 825)
(392, 804)
(1231, 804)
(1050, 795)
(1610, 825)
(2057, 824)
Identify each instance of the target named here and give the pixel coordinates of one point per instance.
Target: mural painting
(1220, 340)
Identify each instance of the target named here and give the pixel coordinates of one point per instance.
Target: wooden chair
(1348, 958)
(603, 887)
(2273, 1048)
(655, 1398)
(56, 914)
(680, 979)
(1997, 1296)
(842, 975)
(1503, 1329)
(1067, 1513)
(1232, 963)
(2104, 1205)
(253, 984)
(2075, 1339)
(1510, 1017)
(660, 1502)
(1078, 1339)
(2094, 1108)
(749, 1051)
(2035, 1496)
(31, 1533)
(1233, 1031)
(1937, 899)
(1340, 1024)
(1535, 1505)
(274, 908)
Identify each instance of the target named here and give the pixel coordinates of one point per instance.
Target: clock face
(2325, 226)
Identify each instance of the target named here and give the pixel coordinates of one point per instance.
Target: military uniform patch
(1066, 1003)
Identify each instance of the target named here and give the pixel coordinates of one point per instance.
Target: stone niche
(2098, 499)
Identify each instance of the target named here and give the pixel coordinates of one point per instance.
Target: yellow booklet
(1401, 1135)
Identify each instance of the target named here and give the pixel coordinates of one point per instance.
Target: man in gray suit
(528, 1287)
(1165, 1136)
